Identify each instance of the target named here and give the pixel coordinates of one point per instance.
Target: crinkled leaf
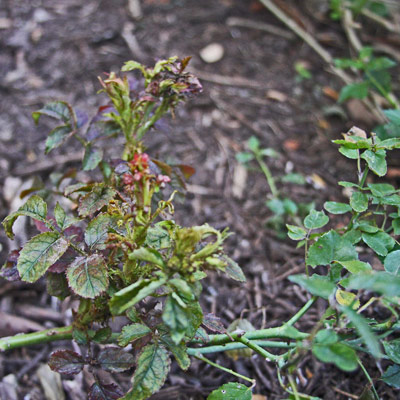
(354, 91)
(381, 282)
(87, 276)
(147, 254)
(99, 196)
(134, 293)
(132, 332)
(152, 369)
(102, 335)
(158, 238)
(296, 232)
(359, 202)
(179, 351)
(57, 137)
(233, 270)
(39, 254)
(392, 376)
(376, 161)
(343, 356)
(231, 391)
(100, 391)
(213, 323)
(392, 262)
(380, 242)
(59, 110)
(57, 285)
(115, 360)
(315, 284)
(392, 350)
(66, 362)
(337, 208)
(35, 208)
(96, 232)
(364, 330)
(91, 158)
(315, 219)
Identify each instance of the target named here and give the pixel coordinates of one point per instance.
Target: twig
(262, 26)
(348, 26)
(395, 28)
(352, 396)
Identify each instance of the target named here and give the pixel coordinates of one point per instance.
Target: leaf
(99, 196)
(349, 153)
(334, 207)
(315, 219)
(158, 238)
(392, 262)
(147, 254)
(96, 232)
(132, 65)
(179, 351)
(354, 91)
(152, 369)
(315, 284)
(355, 266)
(231, 391)
(253, 144)
(176, 317)
(56, 109)
(233, 270)
(101, 128)
(359, 202)
(39, 254)
(100, 391)
(102, 335)
(380, 242)
(392, 350)
(296, 232)
(342, 355)
(381, 282)
(134, 293)
(35, 208)
(132, 332)
(364, 330)
(62, 220)
(115, 360)
(56, 137)
(381, 189)
(244, 157)
(87, 276)
(92, 158)
(392, 376)
(347, 299)
(376, 161)
(213, 323)
(57, 285)
(393, 116)
(66, 362)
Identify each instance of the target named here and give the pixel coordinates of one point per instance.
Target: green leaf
(326, 336)
(381, 189)
(92, 158)
(99, 196)
(348, 184)
(317, 285)
(132, 332)
(62, 220)
(293, 177)
(354, 91)
(253, 144)
(342, 355)
(296, 232)
(57, 136)
(396, 226)
(132, 65)
(380, 242)
(355, 266)
(87, 276)
(233, 270)
(113, 359)
(393, 116)
(315, 219)
(334, 207)
(392, 262)
(381, 282)
(56, 109)
(392, 350)
(96, 232)
(152, 369)
(176, 317)
(179, 351)
(134, 293)
(147, 254)
(380, 63)
(392, 376)
(353, 154)
(39, 254)
(57, 285)
(359, 202)
(347, 299)
(35, 208)
(376, 161)
(244, 157)
(231, 391)
(158, 238)
(364, 330)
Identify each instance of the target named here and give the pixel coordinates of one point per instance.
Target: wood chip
(51, 383)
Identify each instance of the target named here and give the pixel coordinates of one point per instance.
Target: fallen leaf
(331, 93)
(276, 95)
(291, 144)
(316, 181)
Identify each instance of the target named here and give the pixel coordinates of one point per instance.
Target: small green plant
(120, 254)
(284, 209)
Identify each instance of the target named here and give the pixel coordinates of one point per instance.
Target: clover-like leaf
(113, 359)
(315, 219)
(296, 232)
(87, 276)
(66, 362)
(231, 391)
(132, 332)
(39, 254)
(152, 369)
(99, 196)
(101, 391)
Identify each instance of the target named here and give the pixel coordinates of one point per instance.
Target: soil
(56, 49)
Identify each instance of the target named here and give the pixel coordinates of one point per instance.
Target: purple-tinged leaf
(100, 391)
(202, 335)
(87, 276)
(113, 359)
(59, 110)
(95, 200)
(57, 285)
(9, 270)
(213, 323)
(81, 118)
(92, 158)
(102, 129)
(57, 137)
(66, 362)
(96, 232)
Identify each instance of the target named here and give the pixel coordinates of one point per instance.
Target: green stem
(268, 175)
(302, 311)
(230, 371)
(258, 349)
(364, 176)
(390, 97)
(369, 379)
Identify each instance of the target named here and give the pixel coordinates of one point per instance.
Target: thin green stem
(302, 311)
(230, 371)
(390, 97)
(268, 175)
(258, 349)
(364, 176)
(369, 379)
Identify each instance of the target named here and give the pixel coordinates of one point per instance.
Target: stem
(387, 95)
(302, 311)
(369, 379)
(364, 177)
(206, 360)
(258, 349)
(268, 175)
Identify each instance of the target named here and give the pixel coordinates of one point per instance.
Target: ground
(56, 49)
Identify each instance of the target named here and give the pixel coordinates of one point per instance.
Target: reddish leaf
(213, 323)
(100, 391)
(186, 170)
(66, 362)
(9, 270)
(114, 359)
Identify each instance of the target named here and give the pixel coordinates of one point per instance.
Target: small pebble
(212, 53)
